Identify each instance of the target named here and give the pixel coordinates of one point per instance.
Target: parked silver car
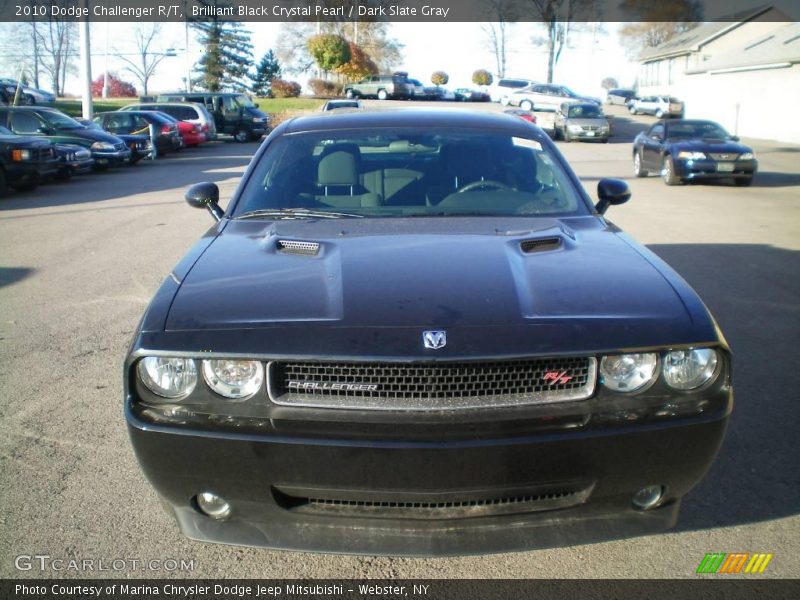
(581, 121)
(29, 95)
(545, 96)
(660, 106)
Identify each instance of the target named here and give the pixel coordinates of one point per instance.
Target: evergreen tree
(268, 69)
(228, 52)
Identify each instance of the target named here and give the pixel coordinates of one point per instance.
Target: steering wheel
(483, 183)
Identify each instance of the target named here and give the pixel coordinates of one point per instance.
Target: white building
(744, 74)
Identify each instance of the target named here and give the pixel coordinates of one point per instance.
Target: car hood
(588, 122)
(710, 144)
(21, 140)
(85, 136)
(376, 284)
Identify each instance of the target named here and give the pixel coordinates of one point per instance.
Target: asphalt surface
(80, 261)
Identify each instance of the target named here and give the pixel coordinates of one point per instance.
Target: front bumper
(23, 172)
(301, 490)
(711, 169)
(78, 167)
(113, 158)
(590, 136)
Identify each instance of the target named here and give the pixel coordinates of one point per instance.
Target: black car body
(234, 114)
(24, 161)
(411, 332)
(135, 126)
(690, 150)
(53, 125)
(470, 95)
(73, 160)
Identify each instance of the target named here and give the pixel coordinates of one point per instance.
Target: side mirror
(205, 195)
(44, 130)
(611, 191)
(734, 138)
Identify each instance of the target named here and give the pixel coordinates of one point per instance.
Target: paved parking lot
(80, 261)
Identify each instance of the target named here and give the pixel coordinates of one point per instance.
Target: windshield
(701, 129)
(585, 111)
(244, 101)
(396, 172)
(61, 121)
(568, 92)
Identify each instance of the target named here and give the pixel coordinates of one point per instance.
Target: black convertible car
(413, 332)
(686, 150)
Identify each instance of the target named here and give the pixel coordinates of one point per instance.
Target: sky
(459, 48)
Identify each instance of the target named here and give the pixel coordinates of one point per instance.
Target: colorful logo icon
(734, 563)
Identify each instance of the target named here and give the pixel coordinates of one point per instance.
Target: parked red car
(190, 134)
(525, 115)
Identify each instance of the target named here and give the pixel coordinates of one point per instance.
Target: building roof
(694, 39)
(779, 47)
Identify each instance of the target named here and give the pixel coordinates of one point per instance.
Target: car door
(651, 147)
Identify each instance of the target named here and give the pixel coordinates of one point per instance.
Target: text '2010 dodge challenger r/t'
(412, 332)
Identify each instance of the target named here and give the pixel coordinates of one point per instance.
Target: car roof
(409, 117)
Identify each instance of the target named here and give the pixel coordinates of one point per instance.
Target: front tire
(28, 186)
(382, 95)
(668, 172)
(632, 110)
(30, 100)
(526, 105)
(3, 185)
(637, 165)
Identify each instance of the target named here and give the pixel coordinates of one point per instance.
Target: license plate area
(725, 167)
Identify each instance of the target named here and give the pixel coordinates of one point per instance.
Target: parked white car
(503, 88)
(545, 96)
(660, 106)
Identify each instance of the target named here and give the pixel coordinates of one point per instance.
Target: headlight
(689, 369)
(747, 156)
(20, 155)
(628, 372)
(686, 155)
(233, 378)
(102, 146)
(168, 377)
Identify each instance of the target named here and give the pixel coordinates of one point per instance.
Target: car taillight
(166, 129)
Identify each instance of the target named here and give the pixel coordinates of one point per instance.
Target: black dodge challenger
(413, 332)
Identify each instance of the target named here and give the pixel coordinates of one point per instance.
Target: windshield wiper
(296, 213)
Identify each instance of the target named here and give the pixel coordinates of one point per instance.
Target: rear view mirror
(611, 191)
(205, 195)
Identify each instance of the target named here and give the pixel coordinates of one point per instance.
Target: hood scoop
(540, 245)
(298, 247)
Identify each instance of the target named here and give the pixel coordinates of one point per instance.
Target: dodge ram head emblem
(434, 339)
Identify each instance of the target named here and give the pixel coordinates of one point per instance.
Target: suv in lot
(234, 114)
(500, 91)
(24, 161)
(382, 87)
(660, 106)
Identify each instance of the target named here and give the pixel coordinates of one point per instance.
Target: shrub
(117, 88)
(439, 78)
(324, 87)
(285, 89)
(482, 77)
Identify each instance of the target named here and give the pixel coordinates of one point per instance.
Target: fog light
(648, 497)
(213, 506)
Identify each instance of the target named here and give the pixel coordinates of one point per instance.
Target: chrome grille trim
(429, 386)
(297, 247)
(723, 156)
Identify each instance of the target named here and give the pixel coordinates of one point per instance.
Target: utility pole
(186, 57)
(105, 68)
(86, 66)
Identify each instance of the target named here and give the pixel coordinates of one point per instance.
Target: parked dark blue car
(413, 332)
(687, 150)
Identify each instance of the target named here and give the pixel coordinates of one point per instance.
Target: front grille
(723, 156)
(41, 153)
(450, 509)
(431, 386)
(591, 128)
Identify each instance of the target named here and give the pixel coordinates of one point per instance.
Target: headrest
(339, 167)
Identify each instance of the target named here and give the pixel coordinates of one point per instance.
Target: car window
(60, 120)
(25, 122)
(118, 122)
(410, 172)
(657, 132)
(140, 124)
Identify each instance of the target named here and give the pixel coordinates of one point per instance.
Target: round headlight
(628, 372)
(689, 369)
(168, 377)
(233, 378)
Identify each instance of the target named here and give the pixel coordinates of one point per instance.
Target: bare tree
(559, 17)
(653, 24)
(143, 66)
(503, 16)
(57, 43)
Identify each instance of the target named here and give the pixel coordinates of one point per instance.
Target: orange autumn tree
(359, 66)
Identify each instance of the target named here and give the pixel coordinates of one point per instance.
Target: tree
(609, 83)
(144, 65)
(117, 88)
(359, 66)
(228, 51)
(482, 77)
(653, 24)
(439, 78)
(503, 14)
(329, 51)
(558, 18)
(57, 43)
(268, 69)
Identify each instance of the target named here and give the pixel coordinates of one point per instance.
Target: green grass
(269, 105)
